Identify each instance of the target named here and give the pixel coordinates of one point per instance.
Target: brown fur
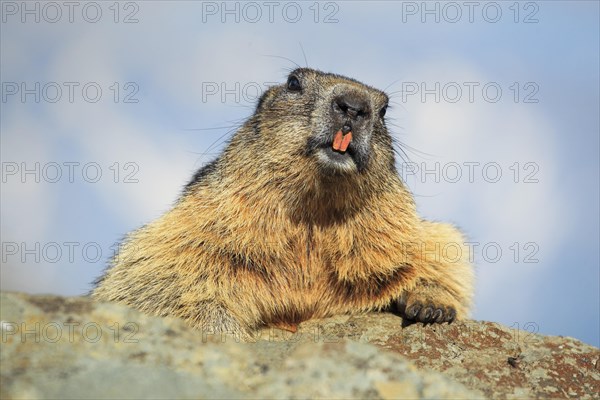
(267, 236)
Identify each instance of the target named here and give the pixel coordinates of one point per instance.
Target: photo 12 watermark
(53, 12)
(67, 252)
(68, 331)
(253, 12)
(52, 252)
(475, 252)
(452, 12)
(69, 92)
(469, 92)
(470, 172)
(234, 92)
(69, 172)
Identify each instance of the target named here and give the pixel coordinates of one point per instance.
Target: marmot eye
(382, 111)
(293, 84)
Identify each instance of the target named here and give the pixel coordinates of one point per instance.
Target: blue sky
(515, 97)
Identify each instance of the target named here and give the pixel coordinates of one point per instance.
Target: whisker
(304, 54)
(386, 88)
(207, 129)
(283, 58)
(218, 141)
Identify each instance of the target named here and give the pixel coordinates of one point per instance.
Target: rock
(487, 357)
(56, 347)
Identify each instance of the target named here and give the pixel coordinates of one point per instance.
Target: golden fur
(268, 237)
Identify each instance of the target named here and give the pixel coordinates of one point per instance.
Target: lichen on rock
(59, 347)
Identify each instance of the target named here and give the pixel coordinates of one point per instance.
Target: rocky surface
(55, 347)
(494, 360)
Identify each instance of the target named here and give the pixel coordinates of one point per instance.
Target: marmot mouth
(338, 160)
(336, 155)
(324, 149)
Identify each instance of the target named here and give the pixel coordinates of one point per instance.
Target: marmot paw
(426, 312)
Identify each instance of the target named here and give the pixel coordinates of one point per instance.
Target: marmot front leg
(443, 287)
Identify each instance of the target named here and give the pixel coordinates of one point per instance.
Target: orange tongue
(346, 141)
(341, 141)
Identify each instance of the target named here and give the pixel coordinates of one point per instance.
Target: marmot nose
(352, 105)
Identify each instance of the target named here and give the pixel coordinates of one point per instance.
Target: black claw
(451, 315)
(413, 311)
(425, 314)
(438, 315)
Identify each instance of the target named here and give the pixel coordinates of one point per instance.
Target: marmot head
(336, 122)
(317, 144)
